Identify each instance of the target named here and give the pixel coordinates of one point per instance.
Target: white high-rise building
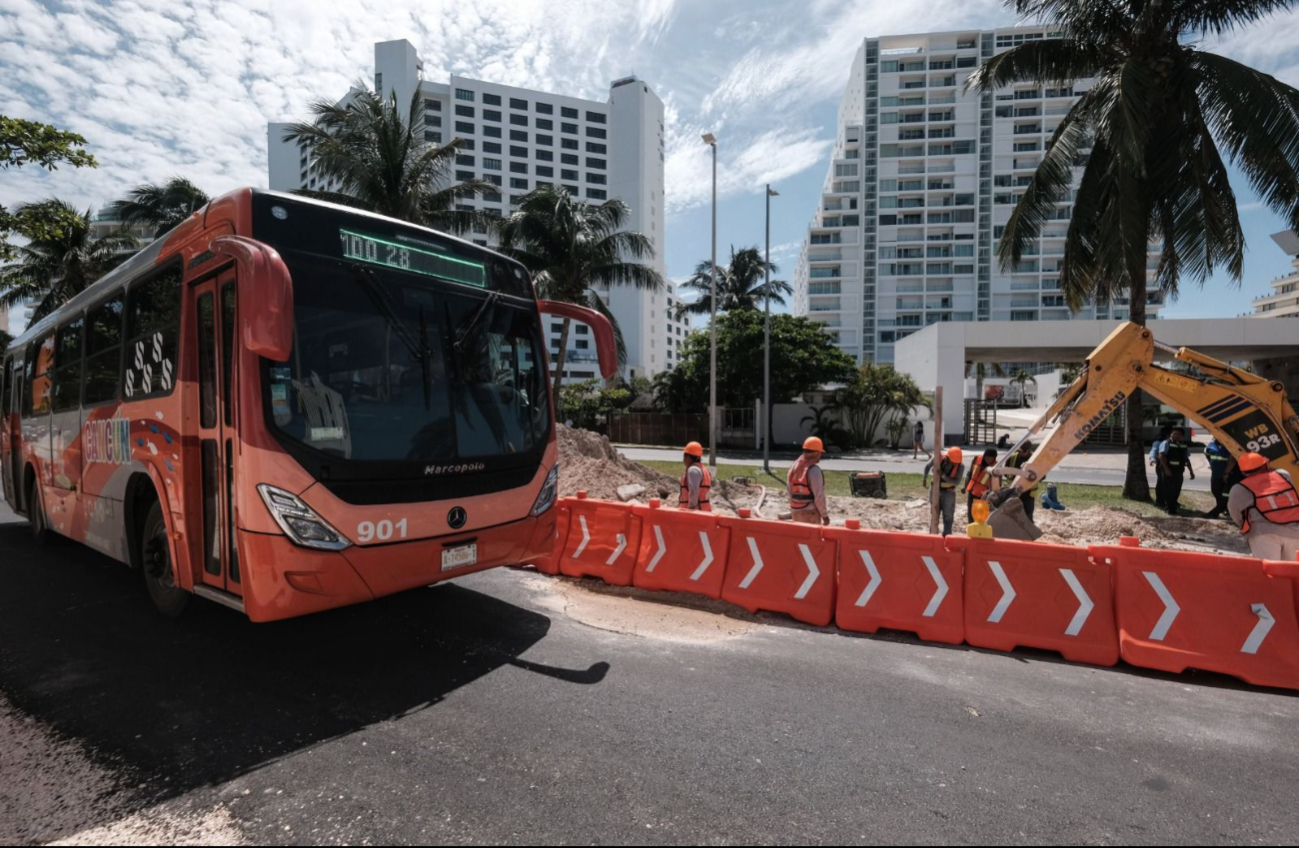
(923, 179)
(1283, 302)
(520, 139)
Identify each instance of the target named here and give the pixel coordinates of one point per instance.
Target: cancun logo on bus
(107, 441)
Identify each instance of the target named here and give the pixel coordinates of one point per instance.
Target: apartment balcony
(911, 288)
(825, 257)
(1031, 129)
(1024, 286)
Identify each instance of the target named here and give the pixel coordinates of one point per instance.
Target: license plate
(453, 558)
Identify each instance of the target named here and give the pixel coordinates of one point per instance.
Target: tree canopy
(31, 143)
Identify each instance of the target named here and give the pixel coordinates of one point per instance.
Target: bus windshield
(389, 366)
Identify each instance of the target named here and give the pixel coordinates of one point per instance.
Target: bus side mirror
(265, 296)
(606, 346)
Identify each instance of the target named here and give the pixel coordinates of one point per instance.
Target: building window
(546, 155)
(462, 94)
(464, 111)
(545, 171)
(573, 190)
(518, 167)
(466, 144)
(433, 120)
(568, 158)
(597, 193)
(583, 344)
(546, 140)
(489, 115)
(568, 112)
(592, 147)
(592, 162)
(491, 164)
(596, 132)
(568, 143)
(568, 175)
(516, 103)
(571, 129)
(494, 179)
(491, 147)
(492, 99)
(598, 179)
(545, 124)
(595, 117)
(516, 182)
(521, 152)
(519, 120)
(492, 196)
(545, 109)
(461, 159)
(432, 105)
(465, 175)
(490, 131)
(518, 135)
(435, 137)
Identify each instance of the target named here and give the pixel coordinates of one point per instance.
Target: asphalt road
(483, 712)
(1103, 472)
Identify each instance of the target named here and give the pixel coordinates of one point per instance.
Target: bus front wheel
(159, 576)
(41, 531)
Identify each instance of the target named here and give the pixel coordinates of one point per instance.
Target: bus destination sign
(416, 259)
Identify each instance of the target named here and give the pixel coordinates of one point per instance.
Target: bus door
(215, 304)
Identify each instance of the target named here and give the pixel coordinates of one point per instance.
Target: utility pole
(766, 348)
(936, 492)
(711, 141)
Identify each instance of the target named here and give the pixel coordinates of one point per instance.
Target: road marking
(1260, 631)
(1085, 604)
(1007, 593)
(1171, 609)
(937, 600)
(708, 556)
(757, 565)
(663, 548)
(617, 552)
(586, 538)
(869, 591)
(812, 573)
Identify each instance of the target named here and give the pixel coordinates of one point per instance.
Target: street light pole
(711, 141)
(766, 347)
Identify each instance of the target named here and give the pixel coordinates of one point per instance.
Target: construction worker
(949, 475)
(979, 481)
(807, 485)
(1019, 459)
(696, 482)
(1265, 506)
(1175, 459)
(1220, 460)
(1155, 448)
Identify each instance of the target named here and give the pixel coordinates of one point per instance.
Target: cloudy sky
(162, 87)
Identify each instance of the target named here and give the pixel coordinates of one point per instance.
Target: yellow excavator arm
(1244, 411)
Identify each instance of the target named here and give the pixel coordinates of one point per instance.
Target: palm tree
(1022, 378)
(160, 206)
(51, 271)
(5, 340)
(573, 248)
(1150, 135)
(381, 161)
(740, 285)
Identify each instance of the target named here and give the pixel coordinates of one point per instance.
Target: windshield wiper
(462, 335)
(418, 348)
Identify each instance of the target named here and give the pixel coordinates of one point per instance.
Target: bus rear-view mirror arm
(265, 296)
(605, 345)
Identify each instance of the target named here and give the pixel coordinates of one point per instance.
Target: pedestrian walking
(918, 441)
(696, 482)
(1220, 461)
(1175, 459)
(1155, 448)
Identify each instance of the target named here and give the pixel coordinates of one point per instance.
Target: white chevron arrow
(869, 591)
(1085, 604)
(812, 573)
(1260, 631)
(708, 556)
(617, 552)
(658, 555)
(1171, 609)
(937, 600)
(586, 537)
(757, 565)
(1007, 593)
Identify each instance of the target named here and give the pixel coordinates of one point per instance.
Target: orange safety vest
(977, 485)
(1275, 499)
(800, 493)
(705, 505)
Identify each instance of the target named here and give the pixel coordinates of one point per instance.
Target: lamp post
(766, 347)
(711, 141)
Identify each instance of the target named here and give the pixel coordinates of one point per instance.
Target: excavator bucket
(1010, 521)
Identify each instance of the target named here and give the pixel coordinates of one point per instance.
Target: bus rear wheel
(159, 576)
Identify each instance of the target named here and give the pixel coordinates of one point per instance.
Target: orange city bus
(285, 406)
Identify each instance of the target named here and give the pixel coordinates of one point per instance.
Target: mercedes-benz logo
(457, 517)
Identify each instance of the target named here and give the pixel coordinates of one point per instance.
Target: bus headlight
(549, 489)
(300, 522)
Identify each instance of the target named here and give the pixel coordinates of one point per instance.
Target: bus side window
(40, 356)
(6, 388)
(152, 327)
(104, 351)
(66, 375)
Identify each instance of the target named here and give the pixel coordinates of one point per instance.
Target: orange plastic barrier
(680, 551)
(563, 514)
(602, 540)
(899, 581)
(1036, 595)
(1179, 610)
(780, 566)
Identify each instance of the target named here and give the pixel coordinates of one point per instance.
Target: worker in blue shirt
(1155, 449)
(1220, 461)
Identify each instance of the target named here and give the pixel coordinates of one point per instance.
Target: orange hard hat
(695, 449)
(1252, 462)
(814, 444)
(954, 454)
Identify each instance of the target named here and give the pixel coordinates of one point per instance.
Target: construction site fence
(1158, 609)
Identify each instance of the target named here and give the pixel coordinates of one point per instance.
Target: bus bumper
(283, 580)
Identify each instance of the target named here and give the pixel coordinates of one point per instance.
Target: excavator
(1244, 411)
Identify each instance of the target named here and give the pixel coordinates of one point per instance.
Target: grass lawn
(907, 487)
